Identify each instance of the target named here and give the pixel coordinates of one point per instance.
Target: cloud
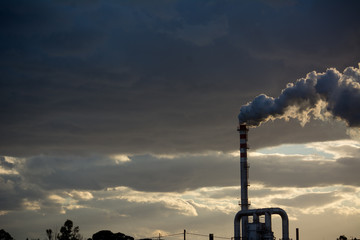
(15, 192)
(308, 200)
(146, 173)
(169, 201)
(75, 84)
(339, 149)
(6, 163)
(190, 171)
(291, 171)
(214, 175)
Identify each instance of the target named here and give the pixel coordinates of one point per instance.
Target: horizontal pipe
(262, 211)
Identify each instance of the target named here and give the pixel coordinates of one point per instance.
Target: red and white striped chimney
(243, 129)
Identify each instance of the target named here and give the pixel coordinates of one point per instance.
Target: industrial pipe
(266, 212)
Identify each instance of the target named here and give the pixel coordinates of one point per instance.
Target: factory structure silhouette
(255, 229)
(319, 95)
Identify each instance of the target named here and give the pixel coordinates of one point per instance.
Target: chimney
(244, 203)
(243, 129)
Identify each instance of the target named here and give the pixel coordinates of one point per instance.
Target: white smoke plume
(319, 95)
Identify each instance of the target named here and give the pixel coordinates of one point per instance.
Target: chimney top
(242, 127)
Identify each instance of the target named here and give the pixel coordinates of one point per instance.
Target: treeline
(343, 237)
(69, 232)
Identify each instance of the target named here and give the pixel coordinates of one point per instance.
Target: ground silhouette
(5, 235)
(108, 235)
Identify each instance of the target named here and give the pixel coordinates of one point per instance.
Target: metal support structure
(267, 212)
(297, 233)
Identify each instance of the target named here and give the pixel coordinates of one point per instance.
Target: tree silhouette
(342, 237)
(67, 232)
(108, 235)
(5, 235)
(49, 234)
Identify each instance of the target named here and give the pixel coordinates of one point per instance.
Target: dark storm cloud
(145, 173)
(301, 29)
(14, 191)
(164, 77)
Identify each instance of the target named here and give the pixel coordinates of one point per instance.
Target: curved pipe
(266, 212)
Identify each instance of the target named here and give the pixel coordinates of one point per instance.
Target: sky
(122, 115)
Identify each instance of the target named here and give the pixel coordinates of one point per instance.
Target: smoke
(328, 95)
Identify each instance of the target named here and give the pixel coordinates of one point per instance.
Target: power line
(160, 237)
(198, 234)
(222, 237)
(204, 235)
(157, 237)
(174, 234)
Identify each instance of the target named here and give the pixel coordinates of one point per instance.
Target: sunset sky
(122, 115)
